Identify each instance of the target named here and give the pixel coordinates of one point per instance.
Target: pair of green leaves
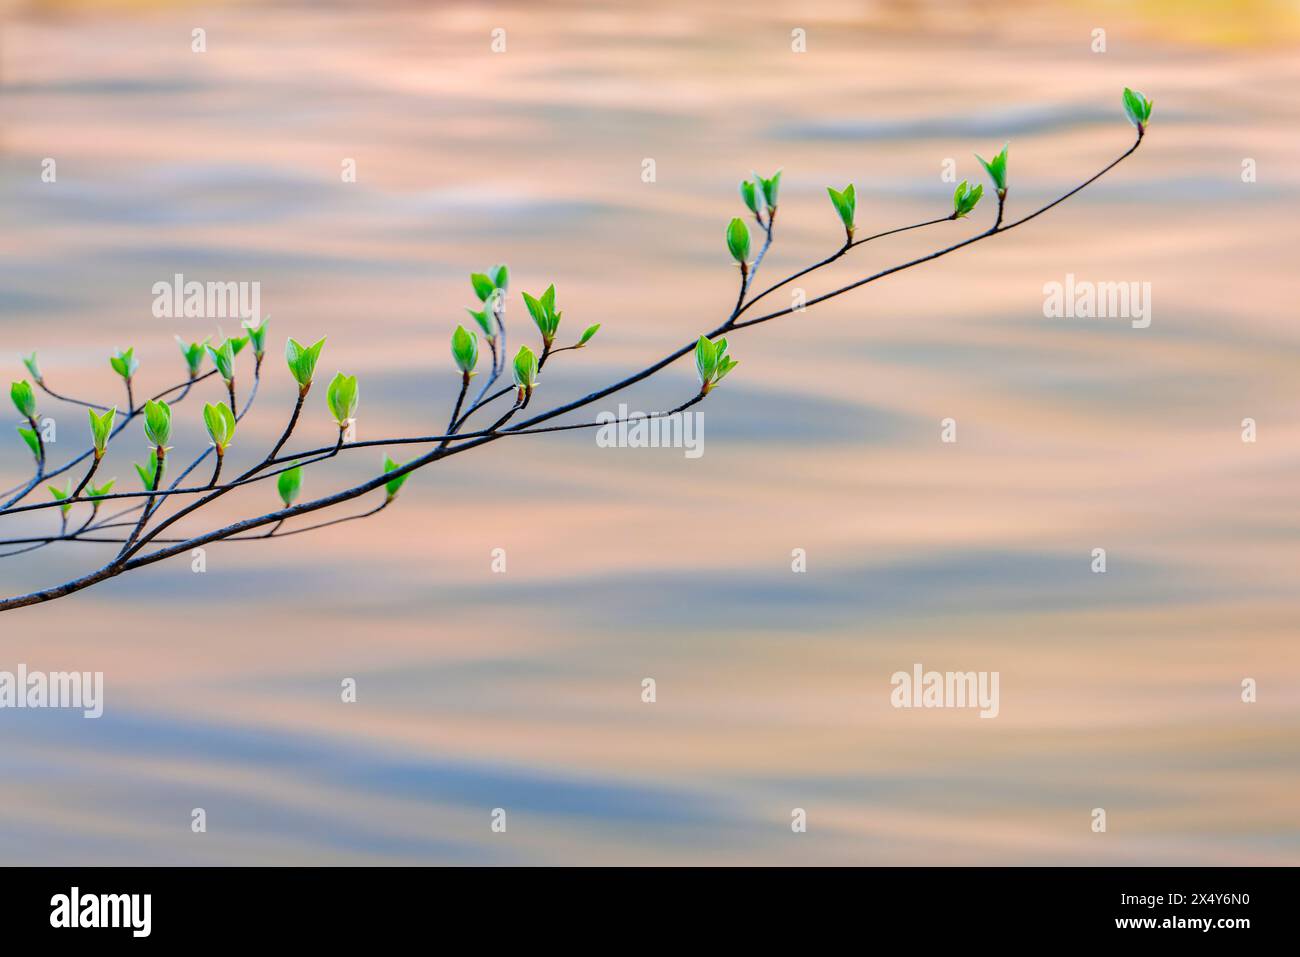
(223, 356)
(124, 363)
(997, 170)
(738, 242)
(845, 202)
(464, 350)
(24, 398)
(302, 361)
(768, 188)
(341, 397)
(257, 334)
(545, 316)
(712, 362)
(94, 492)
(101, 429)
(193, 353)
(157, 423)
(1138, 108)
(220, 422)
(525, 370)
(62, 495)
(966, 198)
(488, 285)
(485, 284)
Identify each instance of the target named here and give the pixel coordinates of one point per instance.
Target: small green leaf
(32, 367)
(586, 335)
(220, 423)
(148, 472)
(525, 369)
(464, 350)
(749, 193)
(997, 169)
(157, 423)
(101, 428)
(483, 286)
(341, 397)
(394, 485)
(32, 439)
(24, 398)
(500, 277)
(771, 188)
(484, 319)
(289, 484)
(738, 241)
(706, 360)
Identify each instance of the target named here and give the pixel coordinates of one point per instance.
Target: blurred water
(522, 690)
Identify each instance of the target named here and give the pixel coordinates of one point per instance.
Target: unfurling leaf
(712, 362)
(289, 484)
(484, 319)
(771, 187)
(124, 363)
(586, 335)
(845, 202)
(997, 169)
(302, 361)
(24, 398)
(223, 357)
(1138, 108)
(32, 439)
(483, 286)
(157, 423)
(393, 485)
(966, 198)
(220, 423)
(101, 428)
(749, 193)
(32, 367)
(341, 397)
(543, 312)
(193, 353)
(464, 350)
(257, 333)
(500, 276)
(148, 473)
(738, 241)
(525, 370)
